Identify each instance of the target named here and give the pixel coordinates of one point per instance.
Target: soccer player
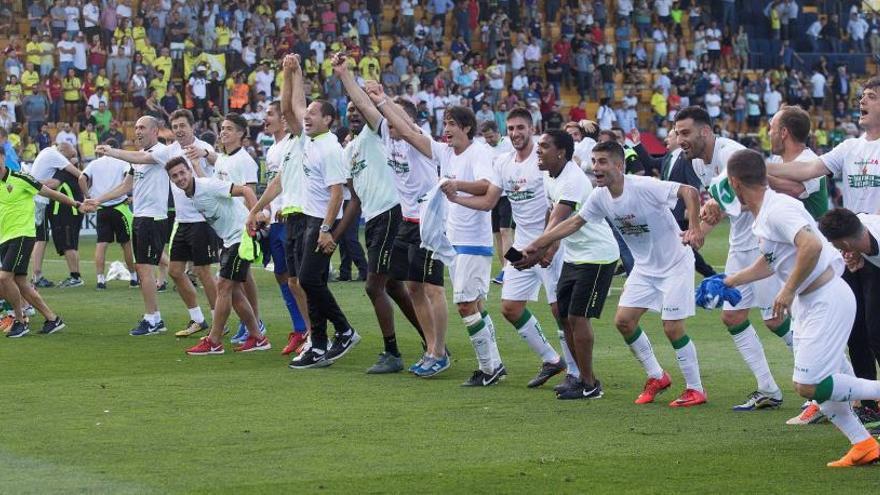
(113, 219)
(467, 169)
(217, 201)
(234, 165)
(17, 234)
(47, 163)
(192, 239)
(65, 223)
(662, 279)
(414, 176)
(856, 162)
(374, 194)
(710, 153)
(822, 306)
(502, 220)
(149, 185)
(589, 257)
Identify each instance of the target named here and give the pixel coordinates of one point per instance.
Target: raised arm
(409, 134)
(798, 171)
(138, 157)
(357, 95)
(291, 90)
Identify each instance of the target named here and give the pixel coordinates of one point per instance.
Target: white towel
(432, 225)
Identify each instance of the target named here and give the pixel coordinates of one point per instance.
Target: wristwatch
(325, 229)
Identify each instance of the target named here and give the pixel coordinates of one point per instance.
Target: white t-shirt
(856, 162)
(151, 184)
(772, 100)
(740, 237)
(292, 174)
(714, 37)
(594, 242)
(47, 162)
(65, 137)
(778, 223)
(872, 223)
(65, 45)
(319, 47)
(71, 13)
(274, 163)
(818, 83)
(414, 173)
(724, 148)
(263, 82)
(213, 199)
(713, 104)
(199, 87)
(238, 168)
(323, 167)
(90, 11)
(79, 57)
(367, 166)
(643, 214)
(466, 226)
(106, 173)
(810, 186)
(184, 209)
(523, 184)
(502, 148)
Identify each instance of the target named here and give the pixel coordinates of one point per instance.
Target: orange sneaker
(861, 454)
(295, 343)
(688, 398)
(809, 416)
(6, 323)
(254, 344)
(653, 388)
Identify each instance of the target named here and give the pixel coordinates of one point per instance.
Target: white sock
(788, 338)
(212, 314)
(196, 315)
(481, 339)
(641, 348)
(102, 279)
(566, 354)
(842, 416)
(849, 388)
(749, 346)
(490, 325)
(156, 318)
(530, 331)
(686, 354)
(134, 276)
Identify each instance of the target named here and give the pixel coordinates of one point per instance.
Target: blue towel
(712, 293)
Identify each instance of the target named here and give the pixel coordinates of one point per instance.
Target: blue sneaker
(145, 328)
(417, 364)
(18, 329)
(432, 367)
(241, 335)
(499, 279)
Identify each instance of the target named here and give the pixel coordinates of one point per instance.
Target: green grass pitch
(93, 410)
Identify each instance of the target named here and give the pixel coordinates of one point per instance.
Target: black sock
(74, 274)
(391, 346)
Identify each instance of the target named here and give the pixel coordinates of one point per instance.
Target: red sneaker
(653, 388)
(295, 343)
(205, 347)
(254, 344)
(688, 398)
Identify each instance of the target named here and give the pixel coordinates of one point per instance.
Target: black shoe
(43, 283)
(133, 284)
(50, 327)
(17, 330)
(547, 371)
(162, 288)
(480, 379)
(310, 358)
(582, 391)
(101, 286)
(342, 344)
(343, 278)
(568, 382)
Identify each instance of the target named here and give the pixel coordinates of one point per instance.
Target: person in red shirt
(53, 91)
(578, 113)
(562, 49)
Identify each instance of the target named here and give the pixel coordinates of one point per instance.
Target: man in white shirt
(662, 279)
(772, 100)
(65, 135)
(502, 219)
(66, 50)
(817, 83)
(91, 14)
(823, 308)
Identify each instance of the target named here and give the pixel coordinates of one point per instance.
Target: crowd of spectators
(88, 66)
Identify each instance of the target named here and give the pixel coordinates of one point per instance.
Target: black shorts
(65, 233)
(169, 226)
(582, 289)
(149, 236)
(379, 234)
(295, 228)
(43, 226)
(410, 261)
(502, 216)
(15, 254)
(232, 266)
(112, 225)
(194, 242)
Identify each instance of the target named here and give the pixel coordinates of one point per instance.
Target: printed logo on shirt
(627, 227)
(398, 167)
(516, 190)
(770, 258)
(358, 164)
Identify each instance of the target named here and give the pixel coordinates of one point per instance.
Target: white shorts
(821, 324)
(525, 285)
(760, 294)
(470, 275)
(671, 295)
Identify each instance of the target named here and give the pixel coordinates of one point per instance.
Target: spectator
(660, 48)
(857, 28)
(813, 34)
(831, 32)
(817, 83)
(605, 116)
(88, 140)
(772, 100)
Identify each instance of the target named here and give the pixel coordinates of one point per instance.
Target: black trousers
(864, 341)
(314, 267)
(351, 251)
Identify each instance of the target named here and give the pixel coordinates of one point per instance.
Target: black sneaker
(547, 371)
(43, 283)
(162, 288)
(101, 286)
(568, 382)
(582, 391)
(342, 344)
(133, 284)
(50, 327)
(310, 358)
(480, 379)
(17, 330)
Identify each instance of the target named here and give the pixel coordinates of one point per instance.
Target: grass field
(93, 410)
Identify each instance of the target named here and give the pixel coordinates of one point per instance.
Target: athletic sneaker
(499, 279)
(70, 282)
(295, 343)
(568, 382)
(50, 327)
(582, 391)
(653, 388)
(43, 283)
(342, 344)
(547, 371)
(387, 363)
(191, 328)
(205, 347)
(760, 400)
(254, 344)
(312, 357)
(432, 366)
(17, 330)
(480, 379)
(689, 398)
(160, 288)
(242, 334)
(811, 415)
(133, 284)
(418, 364)
(861, 454)
(145, 328)
(101, 286)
